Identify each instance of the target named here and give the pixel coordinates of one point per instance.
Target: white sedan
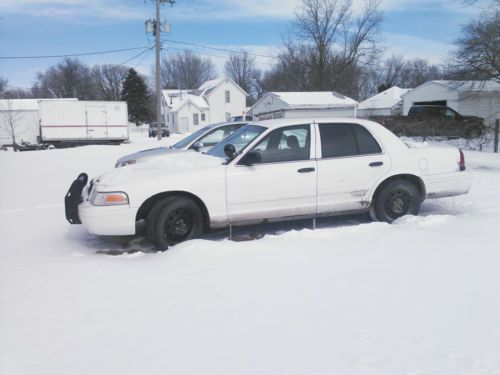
(270, 171)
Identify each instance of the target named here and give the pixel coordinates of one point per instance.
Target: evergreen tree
(135, 93)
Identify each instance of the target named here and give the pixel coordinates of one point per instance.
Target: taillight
(461, 163)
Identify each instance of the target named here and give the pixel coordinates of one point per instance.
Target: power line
(73, 54)
(221, 49)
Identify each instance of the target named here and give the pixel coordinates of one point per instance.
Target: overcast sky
(413, 28)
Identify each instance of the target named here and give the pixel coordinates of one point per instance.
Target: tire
(173, 220)
(396, 199)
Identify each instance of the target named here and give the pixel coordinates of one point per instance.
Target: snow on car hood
(171, 164)
(152, 153)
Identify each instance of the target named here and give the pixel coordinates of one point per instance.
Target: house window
(195, 119)
(228, 96)
(203, 116)
(228, 116)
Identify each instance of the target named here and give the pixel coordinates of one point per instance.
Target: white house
(385, 103)
(215, 101)
(303, 104)
(469, 98)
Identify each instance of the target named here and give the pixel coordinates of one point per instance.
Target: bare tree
(3, 85)
(185, 70)
(478, 50)
(397, 71)
(108, 81)
(240, 67)
(328, 45)
(10, 125)
(68, 79)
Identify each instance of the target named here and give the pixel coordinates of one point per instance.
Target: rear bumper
(447, 184)
(108, 220)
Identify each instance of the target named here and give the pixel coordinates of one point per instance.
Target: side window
(212, 138)
(195, 119)
(337, 140)
(291, 143)
(340, 140)
(228, 96)
(366, 143)
(202, 116)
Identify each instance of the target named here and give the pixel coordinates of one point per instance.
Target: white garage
(303, 104)
(469, 98)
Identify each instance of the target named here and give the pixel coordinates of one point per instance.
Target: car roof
(218, 124)
(275, 123)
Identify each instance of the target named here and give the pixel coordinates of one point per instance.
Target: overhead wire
(73, 54)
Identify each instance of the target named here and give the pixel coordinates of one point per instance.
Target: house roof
(207, 87)
(198, 101)
(468, 86)
(315, 99)
(465, 86)
(385, 99)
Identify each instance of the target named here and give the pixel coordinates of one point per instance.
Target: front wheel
(173, 220)
(396, 199)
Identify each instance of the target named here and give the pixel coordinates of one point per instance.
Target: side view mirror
(230, 151)
(251, 158)
(197, 146)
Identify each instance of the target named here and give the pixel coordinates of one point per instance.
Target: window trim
(319, 149)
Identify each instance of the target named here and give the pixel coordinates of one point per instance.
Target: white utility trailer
(82, 122)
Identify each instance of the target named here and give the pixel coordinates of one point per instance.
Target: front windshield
(239, 139)
(190, 138)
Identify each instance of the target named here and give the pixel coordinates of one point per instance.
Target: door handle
(376, 164)
(306, 170)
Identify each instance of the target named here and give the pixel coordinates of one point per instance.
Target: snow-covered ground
(421, 296)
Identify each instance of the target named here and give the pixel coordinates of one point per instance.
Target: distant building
(303, 104)
(385, 103)
(469, 98)
(215, 101)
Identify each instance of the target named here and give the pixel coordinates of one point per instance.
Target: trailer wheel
(173, 220)
(51, 147)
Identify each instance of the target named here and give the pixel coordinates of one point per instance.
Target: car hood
(172, 163)
(148, 154)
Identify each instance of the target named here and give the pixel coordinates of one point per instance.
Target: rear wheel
(173, 220)
(396, 199)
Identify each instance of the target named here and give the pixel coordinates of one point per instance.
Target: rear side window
(340, 140)
(366, 143)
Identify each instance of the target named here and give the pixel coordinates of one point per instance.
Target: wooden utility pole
(497, 126)
(157, 29)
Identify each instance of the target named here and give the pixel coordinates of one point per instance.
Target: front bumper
(108, 220)
(100, 220)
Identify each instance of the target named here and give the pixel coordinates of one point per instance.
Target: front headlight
(114, 198)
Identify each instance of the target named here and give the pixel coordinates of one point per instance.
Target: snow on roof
(209, 85)
(467, 86)
(385, 99)
(315, 99)
(198, 101)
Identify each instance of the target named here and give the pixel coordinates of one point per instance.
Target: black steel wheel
(173, 220)
(396, 199)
